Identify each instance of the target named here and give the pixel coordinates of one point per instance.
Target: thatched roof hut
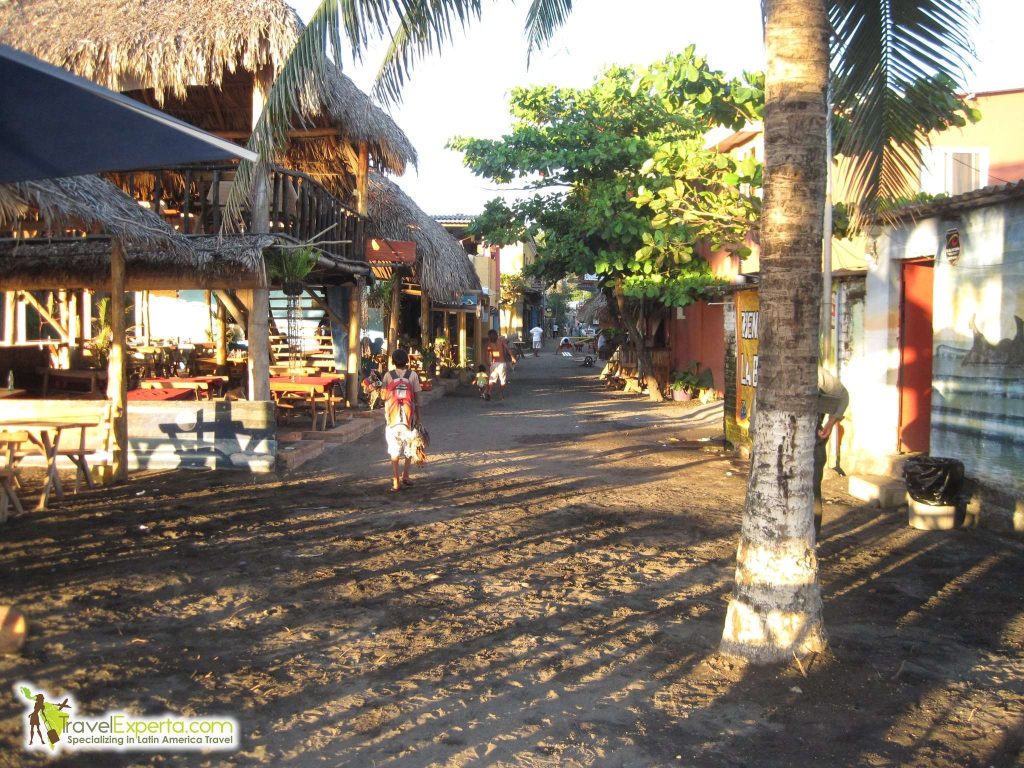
(198, 61)
(443, 266)
(85, 263)
(91, 202)
(157, 255)
(595, 310)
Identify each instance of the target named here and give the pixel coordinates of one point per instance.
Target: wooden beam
(425, 338)
(258, 334)
(463, 359)
(117, 381)
(310, 133)
(355, 316)
(363, 180)
(228, 302)
(222, 335)
(30, 299)
(396, 293)
(323, 305)
(10, 317)
(478, 338)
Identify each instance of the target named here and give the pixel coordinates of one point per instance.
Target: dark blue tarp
(55, 124)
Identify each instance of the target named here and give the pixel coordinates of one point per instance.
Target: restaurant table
(160, 395)
(307, 391)
(10, 444)
(45, 435)
(207, 386)
(91, 377)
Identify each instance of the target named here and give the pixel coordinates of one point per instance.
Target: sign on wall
(747, 317)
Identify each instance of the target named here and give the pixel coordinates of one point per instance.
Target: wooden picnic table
(317, 393)
(154, 395)
(45, 435)
(207, 386)
(92, 378)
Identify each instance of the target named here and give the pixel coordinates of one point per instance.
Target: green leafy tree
(623, 184)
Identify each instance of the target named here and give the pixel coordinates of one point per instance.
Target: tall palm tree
(879, 49)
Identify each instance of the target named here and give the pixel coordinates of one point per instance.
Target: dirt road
(550, 593)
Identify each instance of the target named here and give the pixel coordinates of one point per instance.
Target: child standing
(481, 381)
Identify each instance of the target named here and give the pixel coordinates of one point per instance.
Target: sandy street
(550, 593)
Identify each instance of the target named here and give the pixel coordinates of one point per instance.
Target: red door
(915, 375)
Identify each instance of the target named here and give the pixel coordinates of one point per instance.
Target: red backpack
(400, 397)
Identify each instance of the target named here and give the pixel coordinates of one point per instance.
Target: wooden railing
(192, 200)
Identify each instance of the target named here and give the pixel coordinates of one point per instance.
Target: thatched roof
(196, 61)
(91, 202)
(595, 310)
(444, 267)
(85, 263)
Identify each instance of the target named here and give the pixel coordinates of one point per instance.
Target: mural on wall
(978, 365)
(1004, 352)
(747, 317)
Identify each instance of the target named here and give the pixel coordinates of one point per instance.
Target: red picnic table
(161, 394)
(203, 386)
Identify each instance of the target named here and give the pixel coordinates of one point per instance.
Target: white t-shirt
(537, 332)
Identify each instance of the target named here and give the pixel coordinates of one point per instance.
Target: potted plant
(291, 267)
(428, 357)
(680, 389)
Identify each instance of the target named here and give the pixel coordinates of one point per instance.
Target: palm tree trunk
(775, 610)
(643, 355)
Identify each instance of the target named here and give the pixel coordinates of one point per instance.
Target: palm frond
(422, 28)
(543, 19)
(293, 92)
(895, 68)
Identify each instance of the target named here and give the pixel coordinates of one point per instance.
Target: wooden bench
(89, 448)
(10, 446)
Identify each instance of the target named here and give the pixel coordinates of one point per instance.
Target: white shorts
(537, 344)
(498, 374)
(400, 441)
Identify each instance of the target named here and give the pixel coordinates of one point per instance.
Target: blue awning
(55, 124)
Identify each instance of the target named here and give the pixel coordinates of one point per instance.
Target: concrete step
(879, 489)
(292, 455)
(345, 432)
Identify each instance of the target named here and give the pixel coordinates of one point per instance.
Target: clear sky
(463, 91)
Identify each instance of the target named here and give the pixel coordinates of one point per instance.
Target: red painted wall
(701, 336)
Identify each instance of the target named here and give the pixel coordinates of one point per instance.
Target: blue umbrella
(55, 124)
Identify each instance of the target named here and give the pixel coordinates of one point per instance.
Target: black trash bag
(934, 480)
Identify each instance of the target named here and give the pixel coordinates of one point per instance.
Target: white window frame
(938, 180)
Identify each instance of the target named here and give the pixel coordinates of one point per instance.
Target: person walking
(538, 339)
(401, 391)
(496, 353)
(833, 400)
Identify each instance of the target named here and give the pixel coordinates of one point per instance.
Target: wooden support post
(10, 317)
(258, 332)
(258, 335)
(363, 180)
(87, 315)
(355, 314)
(396, 295)
(222, 335)
(478, 337)
(463, 358)
(425, 340)
(208, 297)
(117, 382)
